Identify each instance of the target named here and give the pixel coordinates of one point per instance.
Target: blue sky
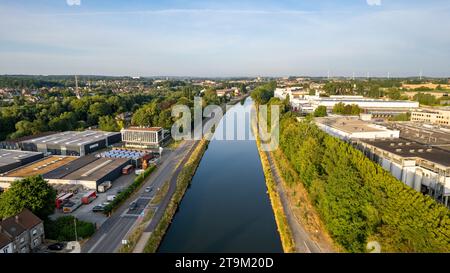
(225, 38)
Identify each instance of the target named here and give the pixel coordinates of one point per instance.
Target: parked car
(110, 197)
(133, 205)
(148, 189)
(98, 208)
(56, 246)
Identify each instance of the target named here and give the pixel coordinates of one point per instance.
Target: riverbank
(300, 205)
(284, 229)
(182, 184)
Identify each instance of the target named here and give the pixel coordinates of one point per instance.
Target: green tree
(108, 124)
(320, 111)
(33, 193)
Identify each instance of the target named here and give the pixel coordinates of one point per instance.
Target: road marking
(98, 242)
(307, 248)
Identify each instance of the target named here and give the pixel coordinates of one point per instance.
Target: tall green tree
(33, 193)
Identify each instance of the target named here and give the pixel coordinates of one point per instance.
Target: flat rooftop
(11, 156)
(144, 129)
(41, 167)
(425, 134)
(70, 167)
(350, 125)
(97, 169)
(73, 138)
(411, 149)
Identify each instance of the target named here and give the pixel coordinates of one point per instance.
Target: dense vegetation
(33, 193)
(263, 93)
(63, 229)
(320, 111)
(60, 112)
(346, 109)
(357, 199)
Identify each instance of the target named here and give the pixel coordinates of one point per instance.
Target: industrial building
(12, 159)
(308, 103)
(87, 171)
(419, 166)
(432, 116)
(71, 143)
(143, 137)
(347, 128)
(432, 135)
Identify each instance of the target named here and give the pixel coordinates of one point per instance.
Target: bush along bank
(183, 181)
(121, 197)
(358, 201)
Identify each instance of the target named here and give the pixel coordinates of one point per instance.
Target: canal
(226, 208)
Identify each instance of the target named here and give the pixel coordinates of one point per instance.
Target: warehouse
(12, 159)
(347, 128)
(71, 143)
(88, 171)
(96, 172)
(40, 167)
(419, 166)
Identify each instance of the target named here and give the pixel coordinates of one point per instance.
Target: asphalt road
(110, 235)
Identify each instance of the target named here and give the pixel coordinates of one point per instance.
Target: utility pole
(77, 92)
(75, 225)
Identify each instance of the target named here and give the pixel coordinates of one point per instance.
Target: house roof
(16, 225)
(11, 227)
(4, 240)
(28, 220)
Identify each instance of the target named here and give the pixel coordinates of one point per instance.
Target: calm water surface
(226, 208)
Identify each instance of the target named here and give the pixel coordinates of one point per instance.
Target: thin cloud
(374, 2)
(188, 11)
(73, 2)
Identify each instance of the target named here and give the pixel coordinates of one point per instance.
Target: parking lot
(85, 212)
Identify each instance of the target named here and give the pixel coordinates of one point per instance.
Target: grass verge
(284, 229)
(133, 238)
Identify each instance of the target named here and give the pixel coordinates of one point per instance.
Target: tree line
(66, 112)
(357, 199)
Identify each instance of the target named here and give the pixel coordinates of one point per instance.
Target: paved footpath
(303, 242)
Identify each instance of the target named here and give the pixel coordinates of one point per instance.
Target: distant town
(98, 155)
